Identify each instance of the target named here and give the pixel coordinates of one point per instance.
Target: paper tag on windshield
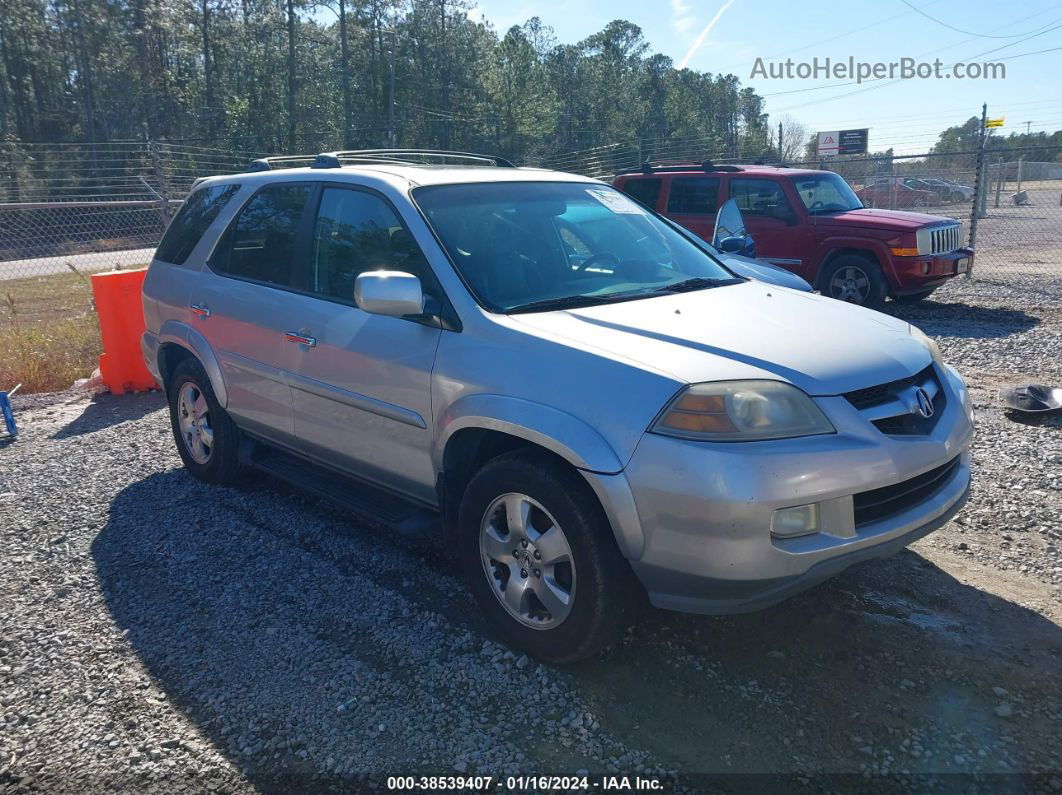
(615, 201)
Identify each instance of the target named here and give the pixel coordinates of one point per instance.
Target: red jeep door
(693, 202)
(776, 223)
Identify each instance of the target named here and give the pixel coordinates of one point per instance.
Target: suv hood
(749, 330)
(883, 219)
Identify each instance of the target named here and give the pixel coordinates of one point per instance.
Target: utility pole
(1028, 124)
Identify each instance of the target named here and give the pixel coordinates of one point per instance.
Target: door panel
(245, 331)
(778, 241)
(362, 394)
(242, 302)
(362, 391)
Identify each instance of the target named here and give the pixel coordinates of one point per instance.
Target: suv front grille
(885, 408)
(944, 239)
(877, 504)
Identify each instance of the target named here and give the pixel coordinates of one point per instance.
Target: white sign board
(829, 143)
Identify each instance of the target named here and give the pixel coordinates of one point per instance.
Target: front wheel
(854, 279)
(541, 559)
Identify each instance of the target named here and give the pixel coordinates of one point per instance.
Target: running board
(364, 499)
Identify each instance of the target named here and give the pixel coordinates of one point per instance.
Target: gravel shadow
(264, 631)
(938, 318)
(106, 410)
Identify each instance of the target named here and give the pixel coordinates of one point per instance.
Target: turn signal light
(904, 252)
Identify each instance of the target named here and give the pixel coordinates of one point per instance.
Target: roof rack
(656, 166)
(380, 157)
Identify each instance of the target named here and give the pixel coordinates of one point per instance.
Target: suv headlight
(929, 344)
(741, 411)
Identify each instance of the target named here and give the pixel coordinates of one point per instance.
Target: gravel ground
(161, 635)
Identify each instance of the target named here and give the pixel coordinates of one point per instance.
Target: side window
(699, 195)
(260, 243)
(196, 214)
(357, 232)
(645, 191)
(762, 197)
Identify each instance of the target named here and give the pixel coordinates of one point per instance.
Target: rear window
(644, 191)
(699, 195)
(260, 243)
(192, 220)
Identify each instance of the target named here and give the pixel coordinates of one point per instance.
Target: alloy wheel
(527, 561)
(850, 284)
(193, 418)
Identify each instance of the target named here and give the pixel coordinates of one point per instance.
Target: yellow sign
(995, 122)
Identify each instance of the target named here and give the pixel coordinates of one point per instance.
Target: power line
(918, 10)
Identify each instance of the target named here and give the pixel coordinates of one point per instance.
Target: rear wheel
(207, 438)
(541, 559)
(854, 279)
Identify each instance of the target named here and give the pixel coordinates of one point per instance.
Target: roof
(412, 175)
(707, 168)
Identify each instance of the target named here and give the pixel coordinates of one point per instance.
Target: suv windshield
(826, 193)
(534, 246)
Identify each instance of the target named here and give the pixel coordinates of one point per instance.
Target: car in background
(951, 191)
(811, 223)
(894, 193)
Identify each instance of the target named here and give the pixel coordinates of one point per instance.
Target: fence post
(160, 180)
(999, 180)
(979, 184)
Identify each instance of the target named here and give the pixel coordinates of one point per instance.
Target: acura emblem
(925, 403)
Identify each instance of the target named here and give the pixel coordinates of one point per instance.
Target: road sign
(995, 122)
(843, 142)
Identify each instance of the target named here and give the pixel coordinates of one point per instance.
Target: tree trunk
(292, 121)
(208, 75)
(344, 56)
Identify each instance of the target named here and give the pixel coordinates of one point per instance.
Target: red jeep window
(643, 191)
(694, 195)
(759, 196)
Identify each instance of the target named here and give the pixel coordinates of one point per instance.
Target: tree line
(301, 76)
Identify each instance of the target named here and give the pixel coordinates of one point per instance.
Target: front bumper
(914, 274)
(703, 511)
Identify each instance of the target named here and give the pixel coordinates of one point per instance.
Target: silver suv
(588, 405)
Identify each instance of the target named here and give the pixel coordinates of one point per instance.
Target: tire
(855, 279)
(603, 595)
(912, 298)
(193, 406)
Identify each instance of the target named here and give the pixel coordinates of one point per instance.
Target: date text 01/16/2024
(525, 783)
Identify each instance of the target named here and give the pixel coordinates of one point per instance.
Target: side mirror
(389, 293)
(732, 245)
(743, 246)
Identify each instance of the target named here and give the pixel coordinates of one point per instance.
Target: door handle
(200, 310)
(300, 339)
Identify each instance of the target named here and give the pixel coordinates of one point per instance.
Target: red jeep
(812, 223)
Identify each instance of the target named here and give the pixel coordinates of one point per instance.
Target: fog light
(798, 521)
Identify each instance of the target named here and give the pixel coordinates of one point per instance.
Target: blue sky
(906, 114)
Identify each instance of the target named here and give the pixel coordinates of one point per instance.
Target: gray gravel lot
(159, 634)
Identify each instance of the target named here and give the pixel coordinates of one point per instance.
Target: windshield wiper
(695, 283)
(566, 302)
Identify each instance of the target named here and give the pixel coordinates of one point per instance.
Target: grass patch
(50, 332)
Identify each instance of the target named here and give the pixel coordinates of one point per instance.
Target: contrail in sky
(704, 34)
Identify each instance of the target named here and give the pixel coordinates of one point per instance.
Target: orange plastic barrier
(121, 313)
